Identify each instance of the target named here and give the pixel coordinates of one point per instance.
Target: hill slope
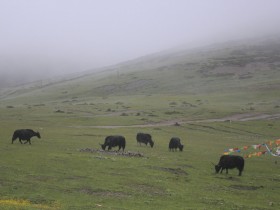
(238, 76)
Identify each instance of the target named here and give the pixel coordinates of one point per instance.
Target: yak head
(38, 135)
(151, 143)
(181, 147)
(218, 168)
(103, 146)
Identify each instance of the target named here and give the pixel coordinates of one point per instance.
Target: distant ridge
(245, 64)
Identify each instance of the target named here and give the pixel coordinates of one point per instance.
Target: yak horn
(213, 163)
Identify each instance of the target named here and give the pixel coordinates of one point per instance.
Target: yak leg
(222, 170)
(27, 140)
(20, 140)
(227, 170)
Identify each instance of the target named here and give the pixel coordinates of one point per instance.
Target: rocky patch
(100, 151)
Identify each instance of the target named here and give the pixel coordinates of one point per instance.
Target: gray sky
(47, 36)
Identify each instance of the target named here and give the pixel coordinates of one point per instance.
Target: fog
(42, 38)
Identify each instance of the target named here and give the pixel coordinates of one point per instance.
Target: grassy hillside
(239, 65)
(210, 82)
(64, 170)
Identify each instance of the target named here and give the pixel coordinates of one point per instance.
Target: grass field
(53, 173)
(57, 172)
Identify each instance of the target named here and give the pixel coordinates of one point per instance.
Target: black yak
(25, 134)
(230, 162)
(113, 141)
(144, 138)
(175, 143)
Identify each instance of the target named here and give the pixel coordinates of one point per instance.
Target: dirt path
(237, 117)
(245, 117)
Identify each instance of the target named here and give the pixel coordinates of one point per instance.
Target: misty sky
(47, 36)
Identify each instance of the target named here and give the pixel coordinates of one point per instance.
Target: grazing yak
(25, 134)
(175, 143)
(113, 141)
(144, 138)
(230, 162)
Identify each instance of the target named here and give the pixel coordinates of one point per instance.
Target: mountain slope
(250, 66)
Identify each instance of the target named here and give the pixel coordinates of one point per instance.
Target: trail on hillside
(177, 122)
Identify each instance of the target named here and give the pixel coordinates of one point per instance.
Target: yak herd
(226, 161)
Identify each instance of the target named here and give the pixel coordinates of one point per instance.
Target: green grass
(52, 173)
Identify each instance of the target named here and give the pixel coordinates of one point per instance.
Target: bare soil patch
(102, 193)
(230, 178)
(246, 187)
(150, 190)
(177, 171)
